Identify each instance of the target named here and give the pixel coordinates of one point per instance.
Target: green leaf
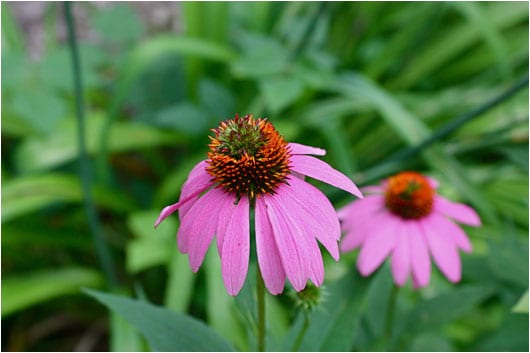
(430, 342)
(37, 153)
(151, 246)
(185, 117)
(44, 111)
(22, 291)
(262, 56)
(163, 329)
(280, 92)
(124, 337)
(180, 282)
(522, 304)
(442, 309)
(120, 24)
(24, 195)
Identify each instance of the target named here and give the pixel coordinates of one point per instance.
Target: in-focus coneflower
(407, 220)
(250, 165)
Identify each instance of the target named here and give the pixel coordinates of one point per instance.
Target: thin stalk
(102, 248)
(261, 311)
(302, 332)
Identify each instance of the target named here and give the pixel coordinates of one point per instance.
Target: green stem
(102, 248)
(261, 312)
(302, 332)
(391, 309)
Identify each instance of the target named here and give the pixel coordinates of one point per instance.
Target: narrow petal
(292, 251)
(419, 255)
(358, 219)
(236, 248)
(226, 209)
(373, 189)
(458, 211)
(198, 181)
(316, 262)
(198, 227)
(449, 229)
(443, 250)
(401, 256)
(297, 148)
(270, 263)
(318, 218)
(378, 244)
(315, 168)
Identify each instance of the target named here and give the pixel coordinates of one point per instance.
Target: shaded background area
(365, 81)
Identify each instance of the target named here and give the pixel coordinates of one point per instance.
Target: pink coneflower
(250, 166)
(406, 219)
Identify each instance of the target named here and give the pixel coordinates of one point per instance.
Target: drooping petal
(316, 262)
(197, 182)
(419, 255)
(315, 168)
(236, 248)
(458, 211)
(196, 231)
(318, 218)
(447, 228)
(358, 220)
(198, 179)
(227, 207)
(297, 148)
(270, 263)
(293, 252)
(401, 255)
(378, 244)
(443, 250)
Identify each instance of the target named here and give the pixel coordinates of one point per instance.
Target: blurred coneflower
(405, 218)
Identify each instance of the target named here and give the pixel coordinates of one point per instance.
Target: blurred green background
(365, 81)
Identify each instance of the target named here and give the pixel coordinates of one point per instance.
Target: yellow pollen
(409, 195)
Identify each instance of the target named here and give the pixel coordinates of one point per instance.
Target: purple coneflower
(250, 165)
(406, 219)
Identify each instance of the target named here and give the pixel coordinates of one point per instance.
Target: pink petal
(401, 255)
(443, 249)
(199, 228)
(198, 181)
(360, 209)
(419, 255)
(293, 252)
(307, 203)
(270, 263)
(236, 248)
(316, 263)
(315, 168)
(297, 148)
(458, 211)
(447, 228)
(226, 209)
(378, 244)
(434, 183)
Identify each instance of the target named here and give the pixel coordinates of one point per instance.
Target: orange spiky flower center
(248, 157)
(409, 195)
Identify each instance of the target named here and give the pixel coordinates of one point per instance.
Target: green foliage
(163, 329)
(368, 82)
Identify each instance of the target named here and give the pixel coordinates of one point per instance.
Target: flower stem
(391, 309)
(301, 334)
(102, 248)
(261, 312)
